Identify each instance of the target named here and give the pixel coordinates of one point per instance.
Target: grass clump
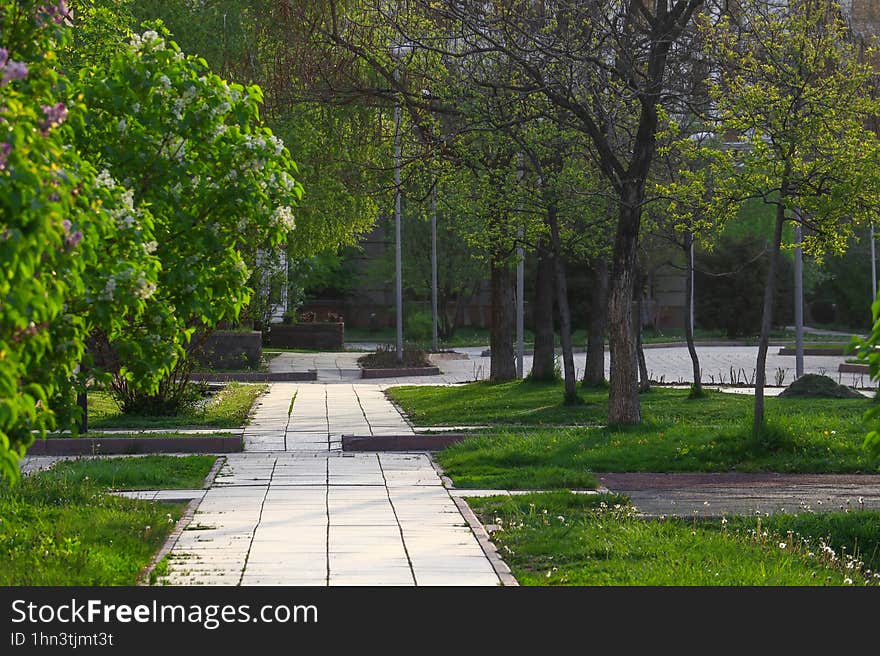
(228, 408)
(573, 539)
(55, 531)
(134, 473)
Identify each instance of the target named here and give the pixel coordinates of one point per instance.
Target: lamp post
(435, 346)
(798, 299)
(397, 52)
(873, 266)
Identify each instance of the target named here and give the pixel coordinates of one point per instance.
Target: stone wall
(228, 349)
(321, 336)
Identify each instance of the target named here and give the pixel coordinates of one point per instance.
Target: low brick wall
(791, 350)
(316, 336)
(256, 376)
(229, 349)
(401, 442)
(71, 446)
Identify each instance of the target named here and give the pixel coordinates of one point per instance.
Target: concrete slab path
(296, 518)
(294, 510)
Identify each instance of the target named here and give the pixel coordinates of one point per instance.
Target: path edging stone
(73, 446)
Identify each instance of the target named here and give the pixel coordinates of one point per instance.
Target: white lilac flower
(150, 247)
(122, 126)
(145, 289)
(104, 179)
(109, 288)
(277, 144)
(283, 218)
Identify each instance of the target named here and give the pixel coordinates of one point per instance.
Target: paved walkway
(294, 510)
(720, 365)
(734, 493)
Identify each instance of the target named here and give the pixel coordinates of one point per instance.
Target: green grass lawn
(536, 442)
(56, 531)
(228, 408)
(134, 473)
(566, 539)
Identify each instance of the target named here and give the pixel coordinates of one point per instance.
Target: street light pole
(873, 266)
(397, 52)
(798, 301)
(435, 342)
(398, 258)
(691, 308)
(520, 287)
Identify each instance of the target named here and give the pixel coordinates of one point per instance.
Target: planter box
(850, 368)
(229, 349)
(71, 446)
(790, 350)
(394, 373)
(313, 336)
(256, 376)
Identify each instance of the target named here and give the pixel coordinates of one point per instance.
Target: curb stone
(489, 549)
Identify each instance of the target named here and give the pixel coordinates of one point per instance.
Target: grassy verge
(229, 408)
(55, 531)
(130, 473)
(567, 539)
(677, 434)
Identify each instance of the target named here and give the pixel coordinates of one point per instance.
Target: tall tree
(791, 87)
(607, 65)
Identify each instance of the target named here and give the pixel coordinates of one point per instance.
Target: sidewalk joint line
(397, 520)
(327, 507)
(259, 520)
(327, 419)
(361, 406)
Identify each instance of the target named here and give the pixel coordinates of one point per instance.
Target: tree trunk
(594, 373)
(562, 306)
(623, 397)
(697, 389)
(766, 322)
(502, 363)
(542, 318)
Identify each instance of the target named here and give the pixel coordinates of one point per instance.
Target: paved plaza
(720, 365)
(293, 509)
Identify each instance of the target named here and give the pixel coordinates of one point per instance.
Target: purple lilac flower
(13, 71)
(5, 149)
(56, 12)
(73, 240)
(55, 115)
(4, 57)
